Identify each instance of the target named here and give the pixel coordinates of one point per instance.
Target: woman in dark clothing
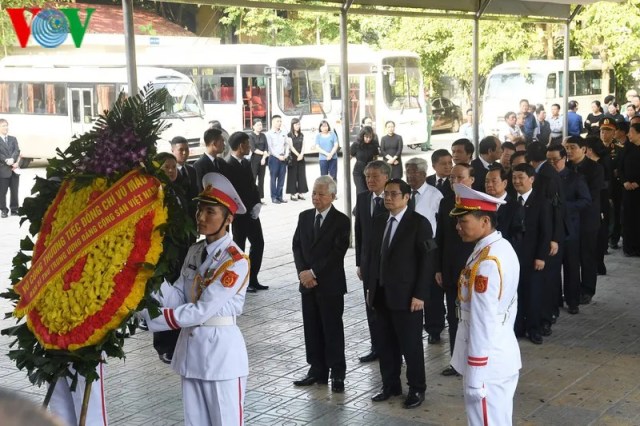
(630, 177)
(391, 150)
(364, 150)
(599, 153)
(259, 155)
(592, 123)
(296, 170)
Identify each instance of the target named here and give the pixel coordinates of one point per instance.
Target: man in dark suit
(442, 162)
(209, 161)
(9, 179)
(496, 186)
(246, 226)
(589, 217)
(530, 238)
(368, 205)
(490, 151)
(577, 198)
(187, 177)
(320, 243)
(398, 280)
(450, 258)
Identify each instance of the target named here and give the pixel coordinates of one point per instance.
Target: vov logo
(49, 27)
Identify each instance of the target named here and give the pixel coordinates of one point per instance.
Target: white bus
(46, 106)
(238, 83)
(384, 85)
(541, 82)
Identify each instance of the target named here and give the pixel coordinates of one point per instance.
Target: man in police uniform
(211, 355)
(486, 352)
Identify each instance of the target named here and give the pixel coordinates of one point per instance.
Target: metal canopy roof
(550, 10)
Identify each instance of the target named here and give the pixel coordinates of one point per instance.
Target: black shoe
(414, 399)
(142, 325)
(585, 299)
(602, 270)
(14, 213)
(546, 329)
(554, 318)
(614, 246)
(573, 310)
(293, 198)
(337, 385)
(300, 197)
(166, 358)
(251, 289)
(259, 286)
(282, 200)
(370, 357)
(385, 394)
(310, 380)
(450, 371)
(433, 338)
(275, 201)
(535, 338)
(4, 214)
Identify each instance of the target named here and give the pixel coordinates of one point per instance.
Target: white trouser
(213, 402)
(67, 405)
(496, 409)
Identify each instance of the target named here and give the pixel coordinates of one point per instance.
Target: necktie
(387, 234)
(412, 201)
(316, 226)
(378, 205)
(439, 184)
(521, 200)
(184, 172)
(203, 256)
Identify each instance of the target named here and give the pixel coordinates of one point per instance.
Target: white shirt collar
(211, 157)
(526, 195)
(422, 189)
(398, 217)
(484, 162)
(324, 212)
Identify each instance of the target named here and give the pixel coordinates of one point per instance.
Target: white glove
(475, 394)
(9, 161)
(255, 211)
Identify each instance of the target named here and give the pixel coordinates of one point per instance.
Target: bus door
(81, 105)
(369, 103)
(256, 96)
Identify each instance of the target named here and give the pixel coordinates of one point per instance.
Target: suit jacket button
(190, 334)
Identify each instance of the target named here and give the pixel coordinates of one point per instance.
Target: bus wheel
(24, 162)
(455, 126)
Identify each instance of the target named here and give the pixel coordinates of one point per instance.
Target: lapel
(400, 229)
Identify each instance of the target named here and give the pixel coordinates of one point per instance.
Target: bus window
(11, 97)
(56, 98)
(217, 84)
(334, 82)
(300, 86)
(35, 98)
(586, 83)
(401, 82)
(105, 97)
(370, 97)
(504, 86)
(551, 86)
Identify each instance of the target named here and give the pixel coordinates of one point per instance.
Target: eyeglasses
(555, 160)
(392, 194)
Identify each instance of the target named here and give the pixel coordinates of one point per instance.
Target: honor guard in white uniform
(486, 351)
(211, 355)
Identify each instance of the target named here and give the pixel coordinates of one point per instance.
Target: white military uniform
(486, 351)
(210, 355)
(67, 405)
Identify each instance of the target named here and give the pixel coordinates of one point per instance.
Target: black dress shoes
(535, 337)
(4, 214)
(259, 286)
(433, 338)
(414, 399)
(370, 357)
(310, 380)
(573, 310)
(385, 394)
(337, 385)
(546, 329)
(251, 290)
(450, 371)
(585, 299)
(14, 213)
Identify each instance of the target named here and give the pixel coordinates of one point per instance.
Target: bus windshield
(401, 82)
(184, 100)
(509, 86)
(300, 87)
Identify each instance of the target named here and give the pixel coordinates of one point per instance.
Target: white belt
(219, 321)
(466, 316)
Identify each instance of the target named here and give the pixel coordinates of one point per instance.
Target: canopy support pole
(344, 94)
(130, 46)
(565, 77)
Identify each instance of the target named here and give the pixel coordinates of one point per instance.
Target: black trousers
(9, 184)
(258, 173)
(244, 227)
(552, 285)
(371, 318)
(571, 272)
(399, 334)
(434, 309)
(630, 223)
(617, 191)
(324, 334)
(297, 178)
(588, 261)
(530, 300)
(164, 342)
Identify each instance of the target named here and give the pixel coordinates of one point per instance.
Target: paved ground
(587, 372)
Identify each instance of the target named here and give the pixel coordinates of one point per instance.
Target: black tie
(203, 256)
(412, 201)
(184, 172)
(377, 209)
(387, 234)
(521, 200)
(439, 184)
(385, 250)
(316, 226)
